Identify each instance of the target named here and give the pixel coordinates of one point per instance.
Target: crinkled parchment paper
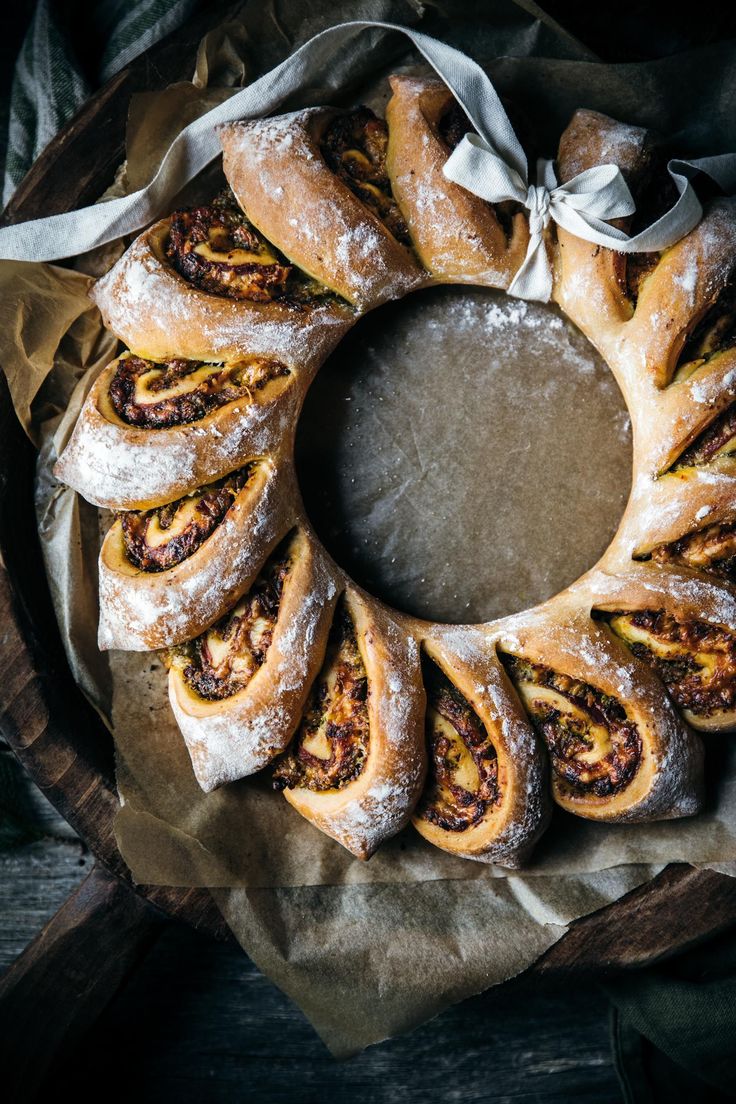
(393, 457)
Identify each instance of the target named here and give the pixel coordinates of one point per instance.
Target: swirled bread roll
(357, 763)
(486, 795)
(239, 689)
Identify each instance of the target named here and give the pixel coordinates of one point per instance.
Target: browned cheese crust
(354, 147)
(463, 783)
(694, 659)
(150, 395)
(331, 746)
(223, 660)
(592, 743)
(157, 539)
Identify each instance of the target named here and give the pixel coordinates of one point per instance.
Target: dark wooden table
(197, 1022)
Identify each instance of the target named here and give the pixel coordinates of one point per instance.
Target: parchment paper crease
(371, 949)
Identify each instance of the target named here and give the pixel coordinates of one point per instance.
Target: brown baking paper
(463, 455)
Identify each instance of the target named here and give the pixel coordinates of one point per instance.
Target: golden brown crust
(233, 736)
(649, 764)
(142, 610)
(490, 802)
(129, 467)
(378, 802)
(457, 236)
(159, 315)
(278, 173)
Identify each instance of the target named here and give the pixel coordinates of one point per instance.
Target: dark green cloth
(673, 1027)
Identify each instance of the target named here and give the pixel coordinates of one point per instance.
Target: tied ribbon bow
(581, 206)
(490, 163)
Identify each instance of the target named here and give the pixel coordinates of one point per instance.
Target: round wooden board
(44, 716)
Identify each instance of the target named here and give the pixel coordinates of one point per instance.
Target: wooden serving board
(100, 932)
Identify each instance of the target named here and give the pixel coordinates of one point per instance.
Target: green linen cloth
(673, 1027)
(68, 51)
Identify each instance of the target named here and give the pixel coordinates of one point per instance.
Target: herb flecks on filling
(158, 539)
(153, 395)
(714, 333)
(716, 441)
(354, 147)
(463, 784)
(331, 747)
(593, 745)
(452, 127)
(712, 550)
(694, 659)
(217, 249)
(223, 660)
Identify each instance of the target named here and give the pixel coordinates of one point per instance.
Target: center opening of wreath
(464, 455)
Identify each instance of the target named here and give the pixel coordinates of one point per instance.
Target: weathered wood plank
(56, 989)
(219, 1031)
(36, 880)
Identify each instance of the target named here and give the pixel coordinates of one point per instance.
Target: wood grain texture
(42, 713)
(55, 990)
(218, 1032)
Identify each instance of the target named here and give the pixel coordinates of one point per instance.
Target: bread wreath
(574, 674)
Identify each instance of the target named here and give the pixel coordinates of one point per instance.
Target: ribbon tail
(533, 280)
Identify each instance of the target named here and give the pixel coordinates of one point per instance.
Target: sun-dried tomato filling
(463, 781)
(592, 743)
(158, 395)
(330, 749)
(712, 550)
(694, 659)
(354, 147)
(716, 441)
(217, 249)
(714, 333)
(223, 660)
(452, 127)
(157, 539)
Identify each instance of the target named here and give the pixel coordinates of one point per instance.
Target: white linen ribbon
(581, 206)
(491, 162)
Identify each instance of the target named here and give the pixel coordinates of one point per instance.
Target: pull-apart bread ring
(371, 718)
(357, 764)
(315, 183)
(486, 796)
(238, 690)
(458, 237)
(167, 574)
(148, 432)
(618, 750)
